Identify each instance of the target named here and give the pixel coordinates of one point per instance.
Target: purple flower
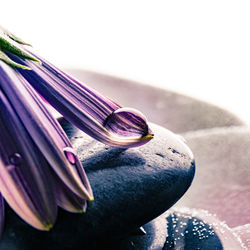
(91, 112)
(32, 144)
(38, 167)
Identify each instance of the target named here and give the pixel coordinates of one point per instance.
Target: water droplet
(15, 159)
(127, 122)
(70, 155)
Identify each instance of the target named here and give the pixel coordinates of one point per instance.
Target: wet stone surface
(131, 187)
(184, 228)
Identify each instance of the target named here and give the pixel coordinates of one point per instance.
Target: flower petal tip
(48, 227)
(81, 211)
(148, 137)
(91, 198)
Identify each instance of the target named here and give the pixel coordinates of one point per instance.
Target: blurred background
(198, 48)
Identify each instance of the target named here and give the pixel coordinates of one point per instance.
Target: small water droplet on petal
(70, 155)
(15, 159)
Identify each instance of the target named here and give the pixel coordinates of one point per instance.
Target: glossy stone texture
(184, 229)
(131, 187)
(178, 113)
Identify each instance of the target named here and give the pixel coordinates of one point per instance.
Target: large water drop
(127, 122)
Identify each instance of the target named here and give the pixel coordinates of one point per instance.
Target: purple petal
(66, 199)
(25, 182)
(2, 217)
(86, 108)
(44, 130)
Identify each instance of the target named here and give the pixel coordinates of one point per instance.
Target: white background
(200, 48)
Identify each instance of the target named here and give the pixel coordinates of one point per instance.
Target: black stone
(131, 187)
(184, 228)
